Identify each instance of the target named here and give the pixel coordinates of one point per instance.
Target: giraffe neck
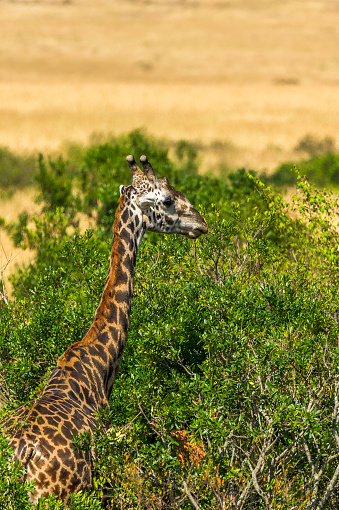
(88, 368)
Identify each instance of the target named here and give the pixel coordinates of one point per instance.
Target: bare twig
(316, 474)
(152, 425)
(165, 364)
(259, 231)
(3, 291)
(335, 414)
(333, 482)
(330, 488)
(190, 497)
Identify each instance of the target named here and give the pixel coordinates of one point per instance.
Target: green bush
(13, 494)
(315, 146)
(227, 396)
(15, 171)
(322, 171)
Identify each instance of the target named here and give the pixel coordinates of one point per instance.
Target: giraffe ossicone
(80, 385)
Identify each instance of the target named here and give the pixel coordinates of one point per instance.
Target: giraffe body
(42, 446)
(42, 432)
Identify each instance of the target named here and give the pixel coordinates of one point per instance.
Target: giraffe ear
(164, 180)
(122, 189)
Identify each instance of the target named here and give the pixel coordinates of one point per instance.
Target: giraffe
(42, 432)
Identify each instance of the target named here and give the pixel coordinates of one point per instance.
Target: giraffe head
(163, 208)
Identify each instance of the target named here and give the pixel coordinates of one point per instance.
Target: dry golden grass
(11, 257)
(257, 74)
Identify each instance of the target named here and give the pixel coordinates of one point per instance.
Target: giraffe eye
(168, 202)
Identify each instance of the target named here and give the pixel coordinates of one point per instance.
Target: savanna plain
(245, 80)
(254, 75)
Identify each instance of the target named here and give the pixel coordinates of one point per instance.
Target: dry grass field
(255, 75)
